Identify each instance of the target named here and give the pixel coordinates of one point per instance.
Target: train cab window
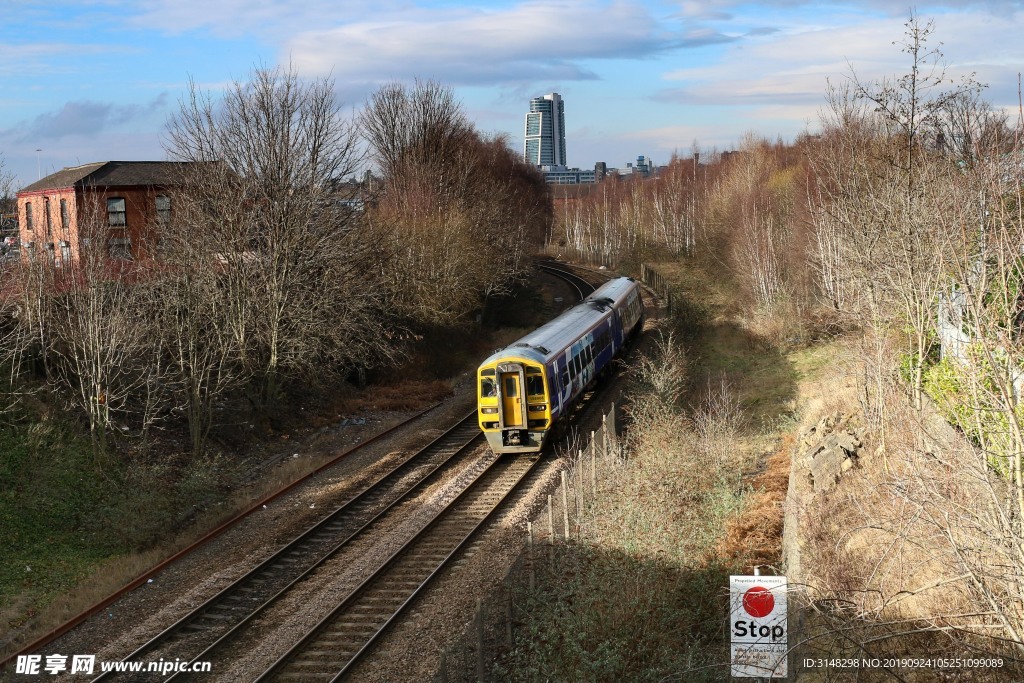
(487, 387)
(535, 385)
(510, 387)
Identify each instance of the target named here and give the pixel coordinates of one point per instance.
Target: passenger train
(527, 389)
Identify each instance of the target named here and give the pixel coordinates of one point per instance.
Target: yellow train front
(513, 404)
(526, 389)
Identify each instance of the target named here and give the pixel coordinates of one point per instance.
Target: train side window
(565, 378)
(487, 387)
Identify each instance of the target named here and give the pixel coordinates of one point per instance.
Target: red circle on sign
(758, 602)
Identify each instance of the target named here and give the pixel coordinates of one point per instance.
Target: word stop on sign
(757, 626)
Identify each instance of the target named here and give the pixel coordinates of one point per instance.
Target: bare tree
(268, 208)
(415, 128)
(458, 215)
(884, 193)
(97, 319)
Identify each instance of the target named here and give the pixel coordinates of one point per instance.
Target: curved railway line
(329, 650)
(581, 286)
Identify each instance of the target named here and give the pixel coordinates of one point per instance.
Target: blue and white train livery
(526, 389)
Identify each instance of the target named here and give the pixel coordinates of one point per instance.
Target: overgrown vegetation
(899, 225)
(639, 597)
(61, 516)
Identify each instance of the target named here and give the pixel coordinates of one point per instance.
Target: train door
(512, 398)
(587, 358)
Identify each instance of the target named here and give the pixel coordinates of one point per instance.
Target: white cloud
(531, 41)
(792, 67)
(233, 18)
(32, 58)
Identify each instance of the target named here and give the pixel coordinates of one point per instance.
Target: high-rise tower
(544, 139)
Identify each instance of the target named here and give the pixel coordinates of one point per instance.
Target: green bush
(986, 424)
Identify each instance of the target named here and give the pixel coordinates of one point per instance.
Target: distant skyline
(96, 80)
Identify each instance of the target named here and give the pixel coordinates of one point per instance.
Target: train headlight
(489, 411)
(537, 409)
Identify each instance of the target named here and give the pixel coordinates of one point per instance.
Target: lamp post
(39, 169)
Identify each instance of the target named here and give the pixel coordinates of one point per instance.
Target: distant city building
(560, 175)
(544, 138)
(644, 168)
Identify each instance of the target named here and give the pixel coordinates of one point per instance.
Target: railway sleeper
(345, 629)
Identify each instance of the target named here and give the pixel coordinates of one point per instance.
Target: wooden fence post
(565, 508)
(529, 555)
(551, 523)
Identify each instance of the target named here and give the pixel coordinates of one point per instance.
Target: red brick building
(120, 202)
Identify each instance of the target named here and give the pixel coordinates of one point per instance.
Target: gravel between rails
(147, 610)
(289, 621)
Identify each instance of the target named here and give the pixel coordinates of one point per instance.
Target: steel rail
(582, 287)
(423, 557)
(205, 538)
(232, 607)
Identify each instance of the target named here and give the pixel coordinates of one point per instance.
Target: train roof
(554, 336)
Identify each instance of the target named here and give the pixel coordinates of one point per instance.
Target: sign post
(758, 627)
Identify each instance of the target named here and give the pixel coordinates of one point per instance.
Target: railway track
(330, 650)
(582, 287)
(216, 622)
(139, 580)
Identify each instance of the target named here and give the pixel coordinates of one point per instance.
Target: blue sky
(92, 80)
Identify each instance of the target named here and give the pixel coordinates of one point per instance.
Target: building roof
(111, 174)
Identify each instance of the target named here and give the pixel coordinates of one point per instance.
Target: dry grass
(902, 558)
(754, 537)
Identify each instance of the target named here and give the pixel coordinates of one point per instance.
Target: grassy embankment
(64, 514)
(643, 594)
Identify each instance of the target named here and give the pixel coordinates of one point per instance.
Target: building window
(65, 251)
(47, 216)
(116, 212)
(65, 219)
(163, 208)
(120, 248)
(28, 215)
